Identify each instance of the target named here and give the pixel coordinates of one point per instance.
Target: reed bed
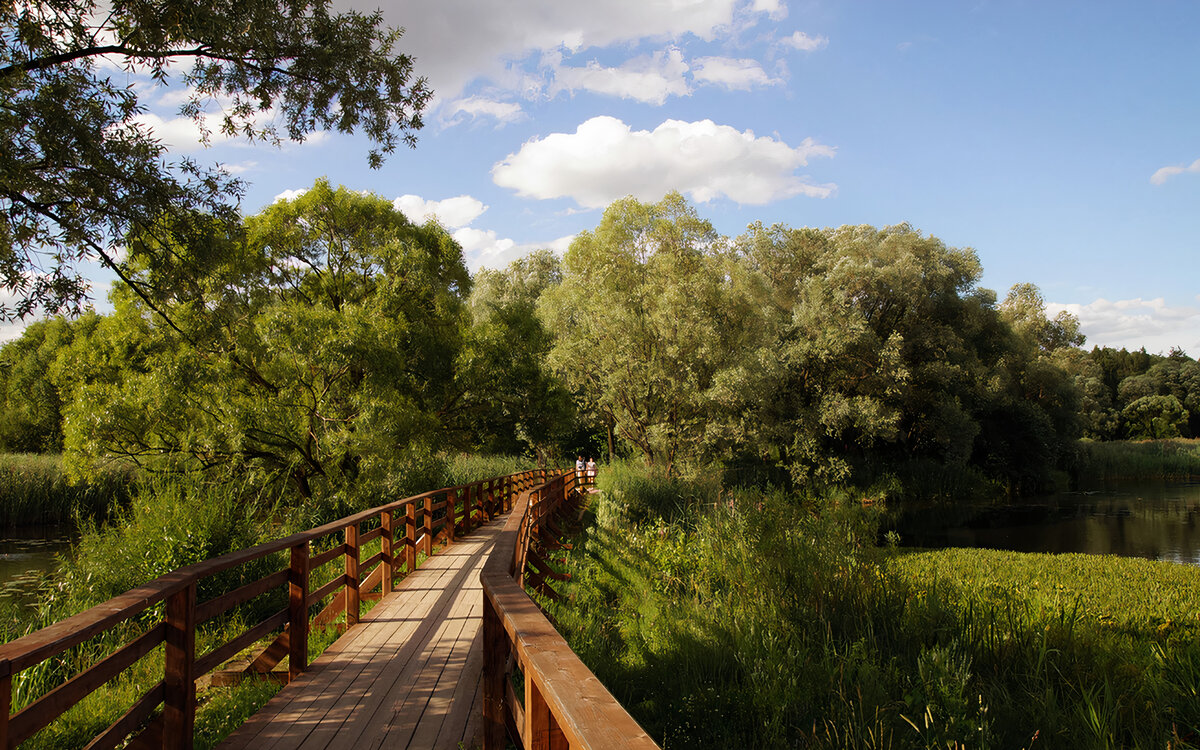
(35, 491)
(772, 620)
(1170, 460)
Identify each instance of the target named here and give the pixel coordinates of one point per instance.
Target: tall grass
(772, 620)
(171, 521)
(1172, 460)
(34, 491)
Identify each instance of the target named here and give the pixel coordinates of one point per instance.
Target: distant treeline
(1135, 395)
(332, 349)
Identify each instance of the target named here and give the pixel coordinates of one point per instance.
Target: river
(1154, 520)
(28, 553)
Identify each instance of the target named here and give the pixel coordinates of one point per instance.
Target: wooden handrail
(565, 705)
(176, 630)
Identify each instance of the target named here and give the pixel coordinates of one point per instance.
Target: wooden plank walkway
(408, 676)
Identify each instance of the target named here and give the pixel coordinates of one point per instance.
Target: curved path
(407, 676)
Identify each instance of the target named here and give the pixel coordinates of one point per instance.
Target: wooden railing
(564, 705)
(423, 521)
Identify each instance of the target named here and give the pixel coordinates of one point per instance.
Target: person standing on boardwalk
(591, 470)
(579, 468)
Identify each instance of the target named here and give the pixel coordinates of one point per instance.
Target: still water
(26, 555)
(1158, 521)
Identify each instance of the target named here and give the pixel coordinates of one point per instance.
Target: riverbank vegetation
(34, 490)
(1171, 460)
(274, 372)
(769, 619)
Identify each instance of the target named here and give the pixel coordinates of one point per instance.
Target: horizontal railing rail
(408, 528)
(564, 705)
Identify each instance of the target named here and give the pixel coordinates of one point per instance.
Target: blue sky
(1060, 140)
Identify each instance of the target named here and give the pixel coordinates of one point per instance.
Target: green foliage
(171, 522)
(1171, 460)
(80, 171)
(34, 490)
(1154, 418)
(313, 351)
(1112, 381)
(31, 398)
(511, 402)
(640, 497)
(471, 467)
(772, 621)
(648, 313)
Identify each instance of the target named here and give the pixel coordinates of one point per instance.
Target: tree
(80, 172)
(1154, 418)
(31, 396)
(318, 351)
(645, 318)
(510, 400)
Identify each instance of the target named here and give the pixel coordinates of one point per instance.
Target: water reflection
(1157, 521)
(26, 555)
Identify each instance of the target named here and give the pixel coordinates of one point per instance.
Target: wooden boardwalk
(408, 676)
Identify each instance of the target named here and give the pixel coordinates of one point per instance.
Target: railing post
(298, 611)
(179, 682)
(352, 559)
(5, 701)
(495, 654)
(410, 537)
(451, 501)
(389, 564)
(541, 730)
(427, 526)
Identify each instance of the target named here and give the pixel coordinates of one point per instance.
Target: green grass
(1172, 460)
(170, 522)
(771, 621)
(34, 491)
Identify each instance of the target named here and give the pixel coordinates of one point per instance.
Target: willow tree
(315, 348)
(644, 320)
(81, 169)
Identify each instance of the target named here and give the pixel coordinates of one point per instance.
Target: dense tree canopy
(330, 345)
(644, 320)
(319, 351)
(80, 171)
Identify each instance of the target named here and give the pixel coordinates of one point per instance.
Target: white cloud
(649, 78)
(480, 106)
(458, 211)
(240, 168)
(457, 41)
(1165, 173)
(483, 249)
(183, 134)
(604, 160)
(805, 43)
(1134, 323)
(774, 8)
(289, 195)
(741, 75)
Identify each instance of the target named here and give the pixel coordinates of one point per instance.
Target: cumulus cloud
(458, 41)
(475, 107)
(774, 8)
(183, 134)
(730, 73)
(484, 249)
(804, 42)
(648, 78)
(458, 211)
(289, 195)
(1166, 173)
(1134, 323)
(604, 159)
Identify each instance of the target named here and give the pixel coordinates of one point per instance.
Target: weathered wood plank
(345, 698)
